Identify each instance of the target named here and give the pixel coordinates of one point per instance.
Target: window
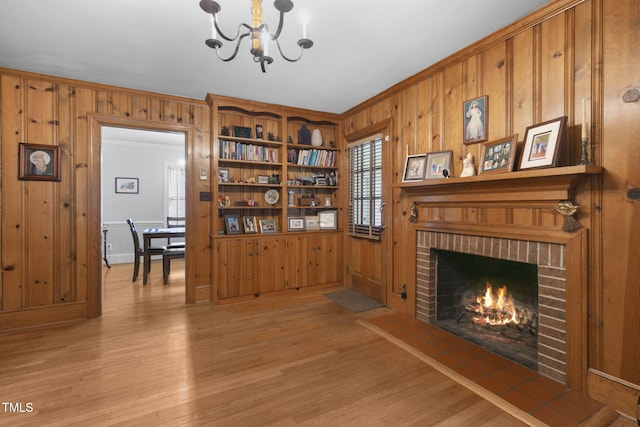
(175, 190)
(365, 188)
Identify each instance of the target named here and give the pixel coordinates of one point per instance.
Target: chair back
(175, 221)
(134, 234)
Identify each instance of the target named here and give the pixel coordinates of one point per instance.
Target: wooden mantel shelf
(527, 185)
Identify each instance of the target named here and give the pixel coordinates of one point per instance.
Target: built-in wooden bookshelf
(277, 200)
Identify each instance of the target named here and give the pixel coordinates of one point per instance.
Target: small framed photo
(311, 223)
(39, 162)
(250, 225)
(263, 179)
(499, 155)
(474, 117)
(232, 224)
(127, 185)
(414, 168)
(296, 223)
(223, 175)
(542, 144)
(439, 164)
(328, 220)
(268, 226)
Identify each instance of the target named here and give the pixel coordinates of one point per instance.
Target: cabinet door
(271, 256)
(325, 259)
(235, 269)
(296, 262)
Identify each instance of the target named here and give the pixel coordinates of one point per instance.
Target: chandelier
(258, 32)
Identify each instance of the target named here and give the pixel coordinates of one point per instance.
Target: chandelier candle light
(258, 32)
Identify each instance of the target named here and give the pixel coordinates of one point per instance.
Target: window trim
(367, 231)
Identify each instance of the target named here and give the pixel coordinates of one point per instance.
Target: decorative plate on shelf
(272, 196)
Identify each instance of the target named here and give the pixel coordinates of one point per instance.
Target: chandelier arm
(285, 57)
(235, 52)
(223, 35)
(280, 25)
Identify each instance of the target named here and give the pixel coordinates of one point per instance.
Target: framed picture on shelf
(268, 226)
(475, 121)
(311, 223)
(414, 168)
(542, 144)
(39, 162)
(499, 155)
(223, 175)
(332, 178)
(127, 185)
(296, 223)
(438, 164)
(328, 220)
(232, 224)
(250, 225)
(263, 179)
(241, 132)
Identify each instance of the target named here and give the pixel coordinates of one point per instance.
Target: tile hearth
(536, 396)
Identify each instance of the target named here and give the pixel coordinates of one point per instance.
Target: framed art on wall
(542, 144)
(39, 162)
(474, 114)
(499, 155)
(127, 185)
(439, 164)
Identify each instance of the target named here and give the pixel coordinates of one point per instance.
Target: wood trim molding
(96, 121)
(43, 315)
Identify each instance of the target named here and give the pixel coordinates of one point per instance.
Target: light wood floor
(152, 360)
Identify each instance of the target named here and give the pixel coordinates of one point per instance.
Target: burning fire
(496, 308)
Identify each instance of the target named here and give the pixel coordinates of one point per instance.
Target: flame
(495, 308)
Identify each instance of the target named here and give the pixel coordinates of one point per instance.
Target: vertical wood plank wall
(537, 69)
(51, 231)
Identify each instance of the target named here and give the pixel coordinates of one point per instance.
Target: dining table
(156, 233)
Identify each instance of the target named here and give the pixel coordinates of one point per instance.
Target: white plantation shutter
(365, 188)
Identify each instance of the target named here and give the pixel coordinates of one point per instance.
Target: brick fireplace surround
(550, 259)
(512, 216)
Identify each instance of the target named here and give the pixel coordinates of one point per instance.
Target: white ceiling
(361, 47)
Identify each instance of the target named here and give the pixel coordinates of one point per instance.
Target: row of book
(232, 150)
(311, 157)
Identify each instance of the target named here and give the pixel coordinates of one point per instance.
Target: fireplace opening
(490, 302)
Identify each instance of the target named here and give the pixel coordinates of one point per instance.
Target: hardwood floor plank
(295, 360)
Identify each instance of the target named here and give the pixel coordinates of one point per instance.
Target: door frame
(383, 127)
(96, 121)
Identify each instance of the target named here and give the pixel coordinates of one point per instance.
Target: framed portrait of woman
(39, 162)
(474, 117)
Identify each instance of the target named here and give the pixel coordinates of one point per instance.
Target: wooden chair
(175, 222)
(138, 251)
(167, 256)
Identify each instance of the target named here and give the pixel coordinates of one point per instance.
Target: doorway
(143, 179)
(98, 122)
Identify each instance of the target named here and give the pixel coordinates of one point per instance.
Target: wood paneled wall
(50, 240)
(537, 69)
